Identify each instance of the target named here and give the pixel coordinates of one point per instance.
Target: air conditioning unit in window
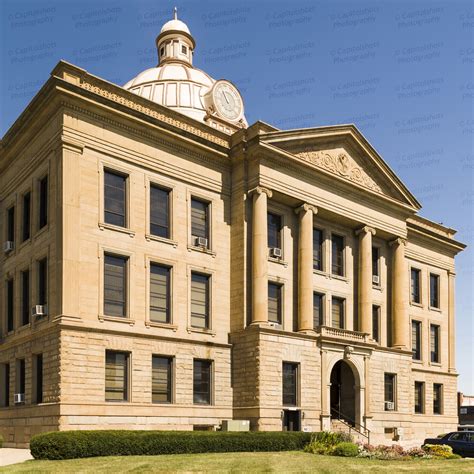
(200, 242)
(389, 406)
(39, 310)
(275, 252)
(19, 398)
(375, 279)
(8, 246)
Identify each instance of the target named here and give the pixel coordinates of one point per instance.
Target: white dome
(175, 85)
(175, 25)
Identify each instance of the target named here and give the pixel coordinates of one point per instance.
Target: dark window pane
(375, 261)
(337, 255)
(160, 293)
(39, 378)
(43, 202)
(318, 307)
(199, 300)
(43, 281)
(116, 376)
(274, 303)
(290, 384)
(25, 297)
(5, 385)
(437, 398)
(115, 191)
(274, 230)
(161, 379)
(376, 323)
(317, 249)
(159, 212)
(415, 285)
(20, 376)
(10, 305)
(389, 387)
(434, 343)
(26, 216)
(200, 219)
(11, 224)
(419, 389)
(202, 382)
(338, 313)
(115, 281)
(416, 340)
(434, 291)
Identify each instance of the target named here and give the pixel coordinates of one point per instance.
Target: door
(291, 420)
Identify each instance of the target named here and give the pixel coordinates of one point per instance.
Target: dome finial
(175, 11)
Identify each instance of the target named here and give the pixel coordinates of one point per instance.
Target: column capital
(364, 230)
(260, 190)
(398, 241)
(306, 207)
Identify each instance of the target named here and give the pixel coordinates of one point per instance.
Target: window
(337, 310)
(200, 221)
(390, 391)
(416, 340)
(10, 304)
(25, 297)
(38, 378)
(26, 231)
(202, 382)
(184, 50)
(290, 384)
(5, 385)
(160, 212)
(199, 300)
(162, 51)
(115, 285)
(376, 323)
(43, 202)
(274, 303)
(419, 395)
(434, 290)
(274, 230)
(337, 255)
(415, 285)
(20, 376)
(318, 249)
(11, 224)
(116, 376)
(434, 343)
(160, 277)
(318, 309)
(375, 264)
(437, 398)
(43, 281)
(115, 196)
(161, 379)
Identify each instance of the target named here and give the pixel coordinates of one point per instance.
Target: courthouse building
(164, 265)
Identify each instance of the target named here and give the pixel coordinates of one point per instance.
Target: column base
(325, 423)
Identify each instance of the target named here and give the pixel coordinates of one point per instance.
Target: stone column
(259, 255)
(325, 393)
(365, 279)
(451, 324)
(305, 267)
(400, 326)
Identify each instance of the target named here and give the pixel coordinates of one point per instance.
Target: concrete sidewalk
(13, 456)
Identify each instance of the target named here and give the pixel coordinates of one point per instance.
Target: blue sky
(401, 71)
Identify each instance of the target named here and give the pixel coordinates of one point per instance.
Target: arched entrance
(343, 392)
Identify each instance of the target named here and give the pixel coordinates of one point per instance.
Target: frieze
(120, 99)
(340, 164)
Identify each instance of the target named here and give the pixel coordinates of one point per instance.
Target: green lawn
(292, 461)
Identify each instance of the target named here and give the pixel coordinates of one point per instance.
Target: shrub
(82, 444)
(330, 438)
(316, 447)
(416, 453)
(438, 450)
(348, 450)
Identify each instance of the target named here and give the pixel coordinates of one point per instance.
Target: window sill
(116, 228)
(418, 305)
(40, 232)
(339, 277)
(435, 364)
(164, 240)
(320, 272)
(417, 361)
(24, 243)
(116, 319)
(434, 308)
(154, 324)
(192, 248)
(278, 261)
(377, 287)
(209, 332)
(25, 327)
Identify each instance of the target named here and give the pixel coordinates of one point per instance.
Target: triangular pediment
(344, 153)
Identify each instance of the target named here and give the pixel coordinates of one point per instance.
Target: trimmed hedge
(348, 450)
(84, 444)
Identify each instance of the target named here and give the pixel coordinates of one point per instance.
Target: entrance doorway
(291, 420)
(343, 392)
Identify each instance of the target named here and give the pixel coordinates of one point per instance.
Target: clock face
(227, 101)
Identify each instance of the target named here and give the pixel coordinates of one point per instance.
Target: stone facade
(329, 178)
